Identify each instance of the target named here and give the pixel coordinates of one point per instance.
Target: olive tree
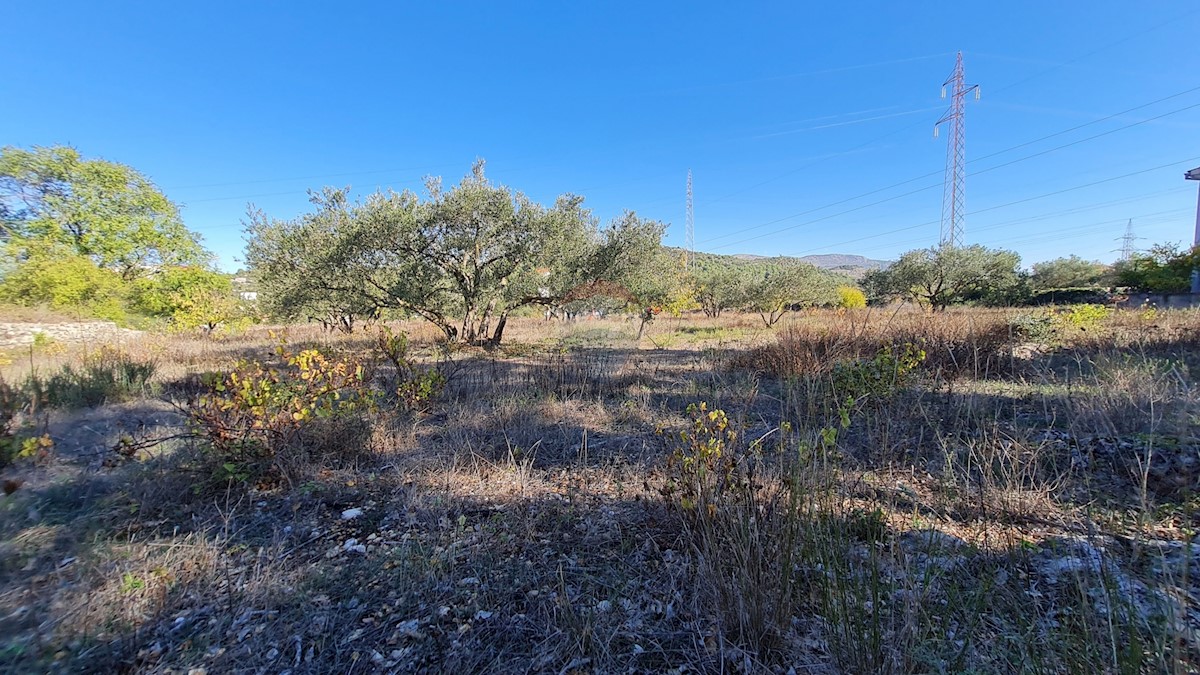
(720, 286)
(1069, 272)
(463, 259)
(778, 287)
(286, 255)
(945, 275)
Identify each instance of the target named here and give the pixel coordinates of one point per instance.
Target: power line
(992, 226)
(1022, 201)
(979, 159)
(1106, 47)
(816, 162)
(284, 180)
(929, 187)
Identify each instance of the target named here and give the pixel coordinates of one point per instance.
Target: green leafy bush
(850, 297)
(1037, 326)
(1086, 316)
(878, 377)
(65, 281)
(260, 419)
(1053, 326)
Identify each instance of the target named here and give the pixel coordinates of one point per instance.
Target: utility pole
(953, 210)
(1194, 174)
(691, 226)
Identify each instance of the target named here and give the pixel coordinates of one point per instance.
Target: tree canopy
(946, 275)
(1163, 269)
(722, 286)
(1069, 272)
(108, 212)
(462, 258)
(776, 287)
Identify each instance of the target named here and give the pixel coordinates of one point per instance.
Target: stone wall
(1163, 301)
(22, 334)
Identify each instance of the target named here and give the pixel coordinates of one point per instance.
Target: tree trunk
(499, 334)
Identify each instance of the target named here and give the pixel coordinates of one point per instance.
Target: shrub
(878, 377)
(108, 375)
(1037, 326)
(64, 281)
(9, 446)
(850, 297)
(1086, 316)
(13, 445)
(1051, 327)
(413, 387)
(258, 418)
(708, 468)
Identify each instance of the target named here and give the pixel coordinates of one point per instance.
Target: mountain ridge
(827, 261)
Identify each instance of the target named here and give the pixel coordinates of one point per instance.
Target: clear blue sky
(778, 108)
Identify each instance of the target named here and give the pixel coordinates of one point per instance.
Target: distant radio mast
(952, 193)
(691, 226)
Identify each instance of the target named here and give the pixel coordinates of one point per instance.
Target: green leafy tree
(777, 288)
(158, 294)
(102, 210)
(1069, 272)
(206, 308)
(946, 275)
(64, 280)
(190, 297)
(1163, 269)
(721, 286)
(285, 255)
(463, 259)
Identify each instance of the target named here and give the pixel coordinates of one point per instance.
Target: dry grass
(1010, 508)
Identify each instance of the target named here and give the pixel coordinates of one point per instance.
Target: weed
(1038, 326)
(108, 375)
(414, 387)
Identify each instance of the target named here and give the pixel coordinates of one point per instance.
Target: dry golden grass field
(873, 491)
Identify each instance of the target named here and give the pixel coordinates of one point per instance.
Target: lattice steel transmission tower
(1128, 242)
(953, 211)
(691, 226)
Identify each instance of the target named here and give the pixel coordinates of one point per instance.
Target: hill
(854, 266)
